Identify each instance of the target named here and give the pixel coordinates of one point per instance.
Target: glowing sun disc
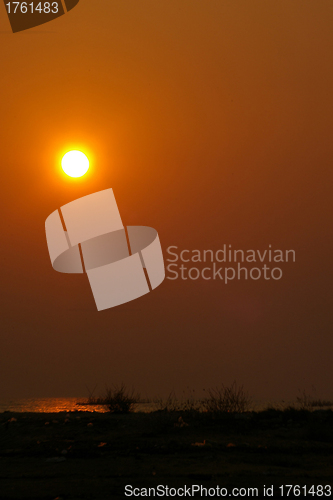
(75, 163)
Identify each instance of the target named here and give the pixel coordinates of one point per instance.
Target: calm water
(54, 405)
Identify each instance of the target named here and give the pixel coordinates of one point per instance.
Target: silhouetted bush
(188, 403)
(231, 399)
(306, 401)
(119, 400)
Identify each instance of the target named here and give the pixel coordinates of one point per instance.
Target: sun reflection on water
(56, 405)
(48, 405)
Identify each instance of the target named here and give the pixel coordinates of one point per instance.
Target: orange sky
(212, 122)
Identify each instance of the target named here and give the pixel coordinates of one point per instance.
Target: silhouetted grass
(117, 399)
(187, 403)
(306, 401)
(233, 399)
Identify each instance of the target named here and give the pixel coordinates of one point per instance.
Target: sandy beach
(88, 455)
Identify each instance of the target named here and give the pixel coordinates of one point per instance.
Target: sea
(56, 405)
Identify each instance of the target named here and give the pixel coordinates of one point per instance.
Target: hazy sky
(212, 121)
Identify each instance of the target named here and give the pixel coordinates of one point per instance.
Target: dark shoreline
(91, 455)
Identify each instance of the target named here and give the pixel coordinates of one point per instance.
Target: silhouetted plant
(306, 401)
(187, 403)
(119, 400)
(231, 399)
(171, 403)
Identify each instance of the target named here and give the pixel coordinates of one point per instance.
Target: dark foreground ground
(83, 455)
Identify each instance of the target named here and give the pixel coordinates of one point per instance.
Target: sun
(75, 163)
